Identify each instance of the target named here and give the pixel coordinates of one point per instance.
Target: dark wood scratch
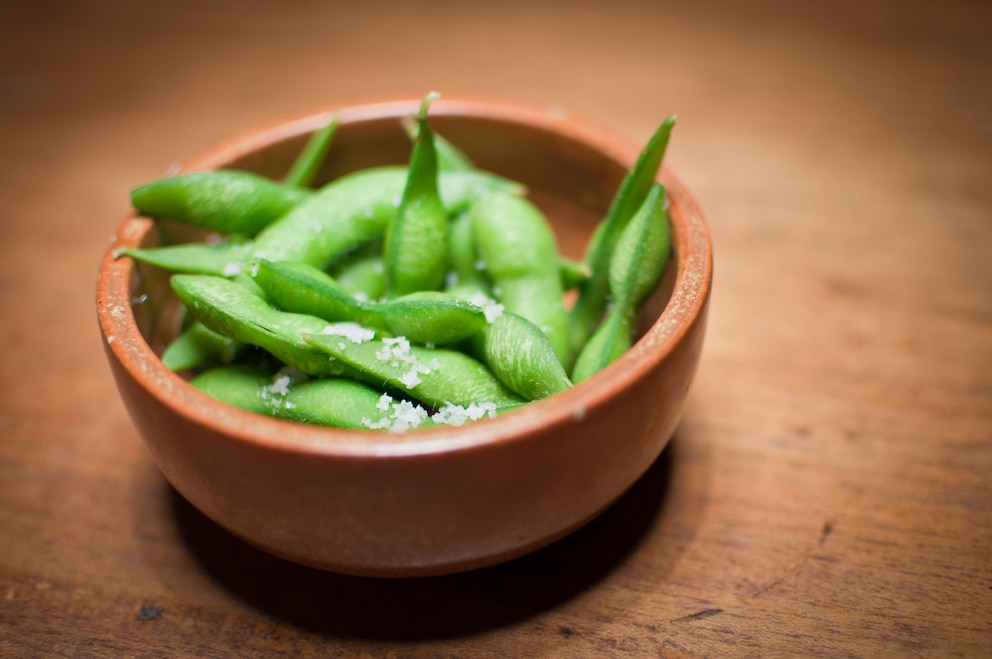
(828, 527)
(148, 612)
(767, 589)
(699, 615)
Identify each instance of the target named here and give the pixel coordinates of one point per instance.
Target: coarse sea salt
(490, 307)
(493, 311)
(401, 416)
(381, 424)
(457, 415)
(407, 415)
(395, 351)
(410, 379)
(280, 384)
(351, 331)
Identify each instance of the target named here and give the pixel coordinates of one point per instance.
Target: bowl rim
(123, 340)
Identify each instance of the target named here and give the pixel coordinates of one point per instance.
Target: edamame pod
(300, 288)
(233, 310)
(226, 201)
(416, 247)
(434, 376)
(362, 276)
(449, 157)
(307, 164)
(336, 402)
(573, 273)
(641, 254)
(518, 353)
(197, 346)
(591, 302)
(466, 278)
(430, 318)
(521, 356)
(356, 208)
(425, 318)
(240, 385)
(518, 249)
(638, 262)
(220, 259)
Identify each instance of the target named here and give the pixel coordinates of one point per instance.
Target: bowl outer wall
(434, 501)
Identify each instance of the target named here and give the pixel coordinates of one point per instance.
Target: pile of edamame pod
(398, 297)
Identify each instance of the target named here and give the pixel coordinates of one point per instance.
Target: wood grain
(828, 492)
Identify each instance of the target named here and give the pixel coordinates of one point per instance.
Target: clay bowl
(440, 500)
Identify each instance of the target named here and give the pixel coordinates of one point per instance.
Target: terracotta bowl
(439, 500)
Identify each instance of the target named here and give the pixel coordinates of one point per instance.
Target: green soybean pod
(361, 275)
(226, 201)
(428, 317)
(521, 356)
(573, 273)
(518, 353)
(240, 385)
(416, 247)
(221, 259)
(232, 309)
(466, 278)
(449, 157)
(434, 376)
(588, 310)
(347, 403)
(336, 402)
(304, 289)
(638, 262)
(357, 208)
(304, 169)
(518, 248)
(196, 346)
(342, 215)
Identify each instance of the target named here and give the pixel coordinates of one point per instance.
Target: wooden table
(828, 492)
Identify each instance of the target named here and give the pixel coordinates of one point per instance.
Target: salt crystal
(451, 415)
(375, 425)
(410, 379)
(351, 331)
(406, 415)
(400, 341)
(280, 385)
(492, 311)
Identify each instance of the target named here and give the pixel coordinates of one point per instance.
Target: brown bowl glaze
(444, 499)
